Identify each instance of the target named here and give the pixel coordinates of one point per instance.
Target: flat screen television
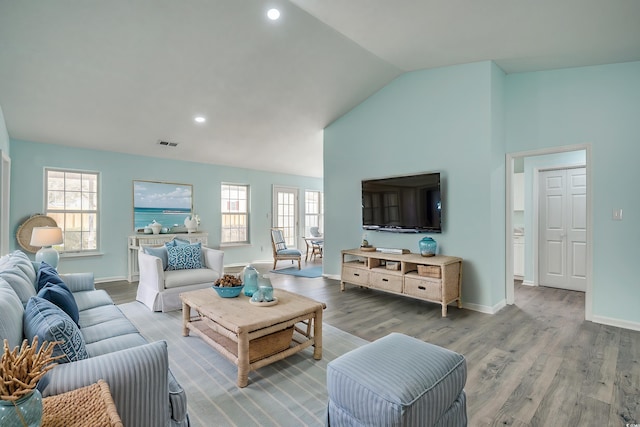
(403, 204)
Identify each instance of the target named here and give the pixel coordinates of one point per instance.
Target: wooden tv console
(398, 274)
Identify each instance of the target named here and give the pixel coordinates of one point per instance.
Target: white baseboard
(528, 283)
(625, 324)
(485, 308)
(332, 276)
(109, 279)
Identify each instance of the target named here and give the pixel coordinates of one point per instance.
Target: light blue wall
(446, 120)
(461, 121)
(117, 171)
(4, 135)
(531, 164)
(597, 105)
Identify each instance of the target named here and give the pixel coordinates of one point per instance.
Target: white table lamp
(47, 237)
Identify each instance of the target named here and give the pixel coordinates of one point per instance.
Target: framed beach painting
(165, 202)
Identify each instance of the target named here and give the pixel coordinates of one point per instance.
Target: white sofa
(160, 289)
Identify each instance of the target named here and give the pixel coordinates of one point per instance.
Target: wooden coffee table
(253, 336)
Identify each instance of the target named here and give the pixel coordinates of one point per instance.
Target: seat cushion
(289, 252)
(177, 278)
(117, 343)
(90, 299)
(50, 323)
(396, 380)
(99, 315)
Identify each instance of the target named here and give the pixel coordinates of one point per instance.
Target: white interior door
(563, 228)
(285, 213)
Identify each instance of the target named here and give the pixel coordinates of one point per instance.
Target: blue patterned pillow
(60, 295)
(50, 323)
(185, 257)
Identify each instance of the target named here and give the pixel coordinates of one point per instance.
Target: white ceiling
(120, 75)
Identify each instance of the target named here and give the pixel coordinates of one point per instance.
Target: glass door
(285, 213)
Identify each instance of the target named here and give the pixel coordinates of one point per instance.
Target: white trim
(333, 276)
(509, 281)
(618, 323)
(109, 279)
(529, 283)
(5, 200)
(485, 308)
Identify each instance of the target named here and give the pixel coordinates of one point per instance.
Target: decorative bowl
(228, 291)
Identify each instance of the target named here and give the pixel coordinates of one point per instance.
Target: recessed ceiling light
(199, 119)
(273, 14)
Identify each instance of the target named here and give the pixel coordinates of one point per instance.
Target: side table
(87, 406)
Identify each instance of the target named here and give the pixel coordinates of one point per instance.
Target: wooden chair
(318, 245)
(280, 250)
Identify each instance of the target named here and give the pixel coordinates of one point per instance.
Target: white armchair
(160, 290)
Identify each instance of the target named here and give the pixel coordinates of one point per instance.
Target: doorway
(285, 213)
(562, 228)
(540, 160)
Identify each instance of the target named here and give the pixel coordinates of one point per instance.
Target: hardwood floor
(536, 363)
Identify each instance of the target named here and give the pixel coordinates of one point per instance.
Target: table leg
(186, 317)
(243, 359)
(317, 334)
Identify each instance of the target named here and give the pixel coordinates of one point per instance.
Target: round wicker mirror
(24, 231)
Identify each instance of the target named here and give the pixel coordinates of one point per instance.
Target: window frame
(319, 215)
(224, 214)
(64, 251)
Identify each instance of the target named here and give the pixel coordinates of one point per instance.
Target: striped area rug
(291, 392)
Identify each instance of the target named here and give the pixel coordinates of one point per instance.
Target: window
(313, 211)
(72, 200)
(235, 213)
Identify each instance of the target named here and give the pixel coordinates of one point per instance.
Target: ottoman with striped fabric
(397, 381)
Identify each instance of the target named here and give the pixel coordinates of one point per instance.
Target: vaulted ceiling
(122, 75)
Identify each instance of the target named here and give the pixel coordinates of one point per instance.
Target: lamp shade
(46, 236)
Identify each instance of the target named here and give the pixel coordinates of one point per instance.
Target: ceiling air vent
(168, 144)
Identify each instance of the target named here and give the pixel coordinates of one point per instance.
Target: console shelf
(369, 269)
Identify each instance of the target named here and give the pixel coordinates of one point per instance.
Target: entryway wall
(563, 157)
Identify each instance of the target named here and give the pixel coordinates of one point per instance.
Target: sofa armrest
(151, 272)
(78, 282)
(138, 378)
(214, 259)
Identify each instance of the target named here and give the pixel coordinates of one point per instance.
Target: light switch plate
(617, 214)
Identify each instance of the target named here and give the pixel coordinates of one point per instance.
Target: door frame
(509, 277)
(274, 208)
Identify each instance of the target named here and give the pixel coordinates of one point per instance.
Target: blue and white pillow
(185, 257)
(50, 323)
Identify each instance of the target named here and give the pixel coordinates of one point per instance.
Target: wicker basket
(268, 345)
(259, 348)
(430, 271)
(393, 265)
